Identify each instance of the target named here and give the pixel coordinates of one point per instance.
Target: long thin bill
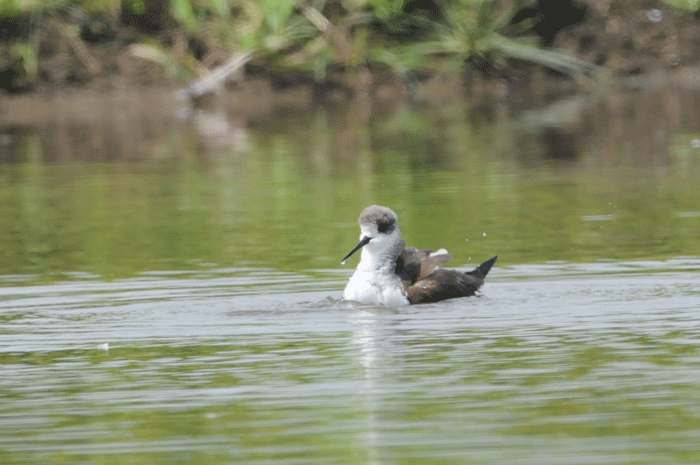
(363, 242)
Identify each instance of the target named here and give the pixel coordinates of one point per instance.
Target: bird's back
(425, 282)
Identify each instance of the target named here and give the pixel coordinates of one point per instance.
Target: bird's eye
(385, 227)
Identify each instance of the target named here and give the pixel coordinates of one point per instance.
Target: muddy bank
(640, 38)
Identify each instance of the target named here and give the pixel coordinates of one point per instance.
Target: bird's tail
(482, 270)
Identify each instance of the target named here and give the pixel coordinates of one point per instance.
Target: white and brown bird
(390, 274)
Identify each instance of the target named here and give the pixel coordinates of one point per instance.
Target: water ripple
(601, 367)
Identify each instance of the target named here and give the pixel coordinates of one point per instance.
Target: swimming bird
(390, 274)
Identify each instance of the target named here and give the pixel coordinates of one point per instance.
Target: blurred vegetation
(75, 201)
(693, 5)
(323, 38)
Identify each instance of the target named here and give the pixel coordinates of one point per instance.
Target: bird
(389, 274)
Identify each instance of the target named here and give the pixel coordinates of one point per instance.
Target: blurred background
(112, 186)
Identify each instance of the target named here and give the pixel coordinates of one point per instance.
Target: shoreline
(609, 41)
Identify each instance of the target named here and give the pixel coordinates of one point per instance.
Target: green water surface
(168, 285)
(288, 197)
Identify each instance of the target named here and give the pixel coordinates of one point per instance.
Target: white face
(379, 232)
(380, 241)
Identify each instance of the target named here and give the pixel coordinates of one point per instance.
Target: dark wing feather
(414, 264)
(443, 284)
(448, 284)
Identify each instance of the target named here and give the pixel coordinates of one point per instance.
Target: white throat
(375, 281)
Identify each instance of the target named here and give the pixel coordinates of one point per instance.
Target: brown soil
(634, 37)
(628, 38)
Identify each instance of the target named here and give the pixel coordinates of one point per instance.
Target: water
(169, 285)
(596, 368)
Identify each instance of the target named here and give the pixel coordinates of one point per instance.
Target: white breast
(373, 288)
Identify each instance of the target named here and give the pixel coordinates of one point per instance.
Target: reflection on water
(115, 193)
(167, 283)
(597, 368)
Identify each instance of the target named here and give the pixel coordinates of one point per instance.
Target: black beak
(363, 242)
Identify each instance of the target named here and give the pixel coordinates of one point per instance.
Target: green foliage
(25, 61)
(10, 8)
(692, 5)
(382, 9)
(315, 35)
(479, 30)
(184, 14)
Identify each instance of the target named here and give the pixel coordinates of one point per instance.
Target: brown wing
(448, 284)
(414, 264)
(443, 284)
